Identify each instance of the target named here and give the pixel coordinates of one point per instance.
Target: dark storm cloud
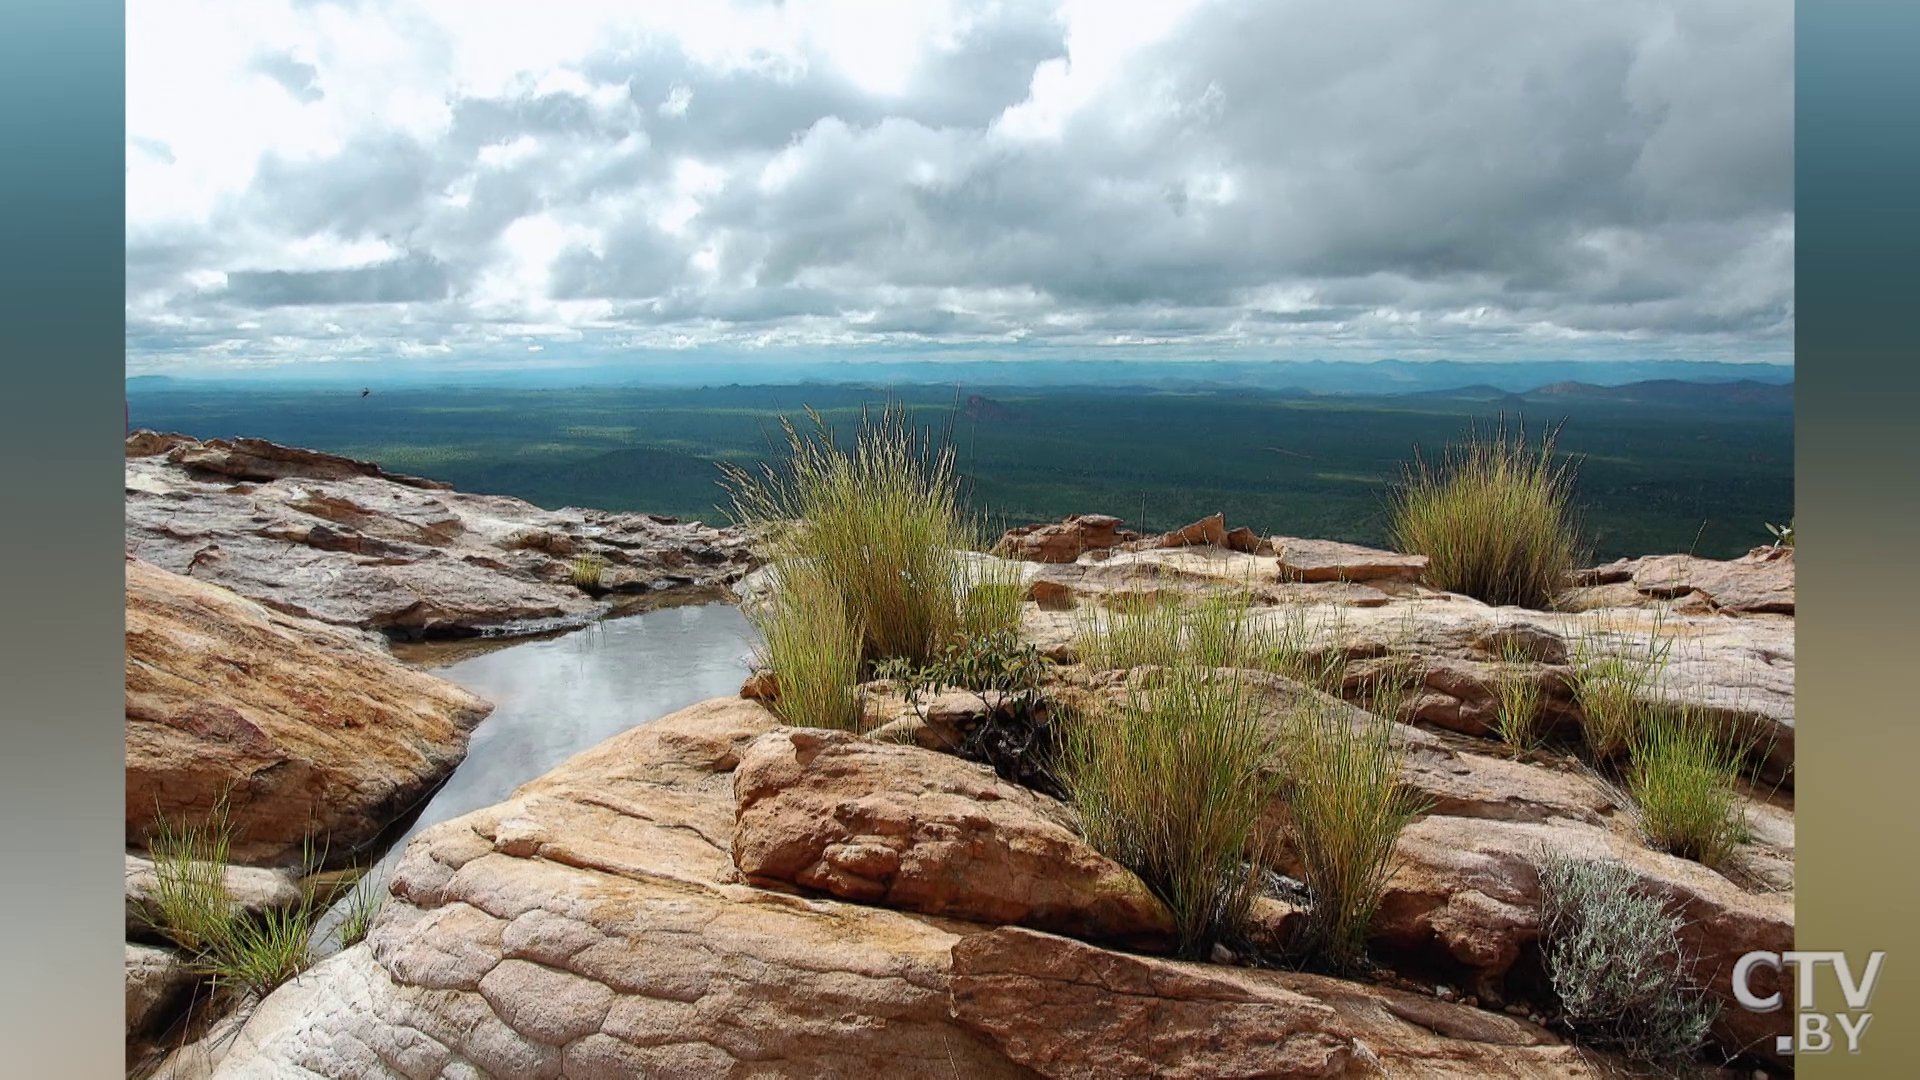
(408, 280)
(1270, 171)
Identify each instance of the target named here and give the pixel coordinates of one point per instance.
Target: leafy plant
(1782, 534)
(1494, 519)
(1015, 734)
(1347, 806)
(1613, 959)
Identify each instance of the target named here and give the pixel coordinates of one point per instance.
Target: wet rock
(347, 543)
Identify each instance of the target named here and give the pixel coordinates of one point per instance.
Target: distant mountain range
(1303, 376)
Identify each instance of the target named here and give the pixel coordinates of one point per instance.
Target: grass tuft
(245, 954)
(586, 570)
(1170, 784)
(1494, 518)
(1612, 960)
(1615, 676)
(1683, 780)
(1518, 694)
(880, 522)
(812, 644)
(1347, 806)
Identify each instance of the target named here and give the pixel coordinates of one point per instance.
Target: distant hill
(1744, 393)
(987, 409)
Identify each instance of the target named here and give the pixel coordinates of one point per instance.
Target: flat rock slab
(1330, 560)
(1065, 1009)
(308, 730)
(344, 542)
(1761, 581)
(916, 830)
(594, 926)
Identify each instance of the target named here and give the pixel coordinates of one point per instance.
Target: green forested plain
(1696, 471)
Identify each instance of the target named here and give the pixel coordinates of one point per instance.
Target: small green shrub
(1347, 807)
(1612, 958)
(1683, 780)
(1494, 519)
(1518, 694)
(812, 645)
(1171, 785)
(1782, 534)
(881, 523)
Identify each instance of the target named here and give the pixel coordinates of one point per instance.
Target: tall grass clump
(880, 523)
(812, 644)
(1347, 806)
(1129, 632)
(1517, 696)
(1170, 785)
(1612, 958)
(992, 595)
(244, 953)
(1615, 679)
(1494, 518)
(1684, 784)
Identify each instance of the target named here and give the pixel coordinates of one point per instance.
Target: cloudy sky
(468, 181)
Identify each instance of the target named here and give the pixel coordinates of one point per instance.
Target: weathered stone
(916, 830)
(1760, 581)
(254, 890)
(1064, 541)
(156, 981)
(1329, 560)
(346, 543)
(307, 730)
(1207, 532)
(1065, 1009)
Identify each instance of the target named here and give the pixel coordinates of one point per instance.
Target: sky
(467, 182)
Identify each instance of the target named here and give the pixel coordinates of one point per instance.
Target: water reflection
(558, 696)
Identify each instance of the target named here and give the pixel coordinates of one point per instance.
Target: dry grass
(1684, 781)
(1616, 675)
(1171, 785)
(881, 523)
(812, 644)
(1518, 693)
(1494, 518)
(1347, 806)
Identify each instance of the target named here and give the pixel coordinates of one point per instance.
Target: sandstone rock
(252, 889)
(347, 543)
(1064, 541)
(916, 830)
(156, 981)
(1466, 891)
(309, 730)
(1066, 1009)
(1207, 532)
(1329, 560)
(613, 872)
(1760, 581)
(761, 686)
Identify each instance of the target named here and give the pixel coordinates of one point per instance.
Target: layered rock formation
(307, 731)
(344, 542)
(595, 925)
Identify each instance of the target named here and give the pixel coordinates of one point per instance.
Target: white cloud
(1386, 174)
